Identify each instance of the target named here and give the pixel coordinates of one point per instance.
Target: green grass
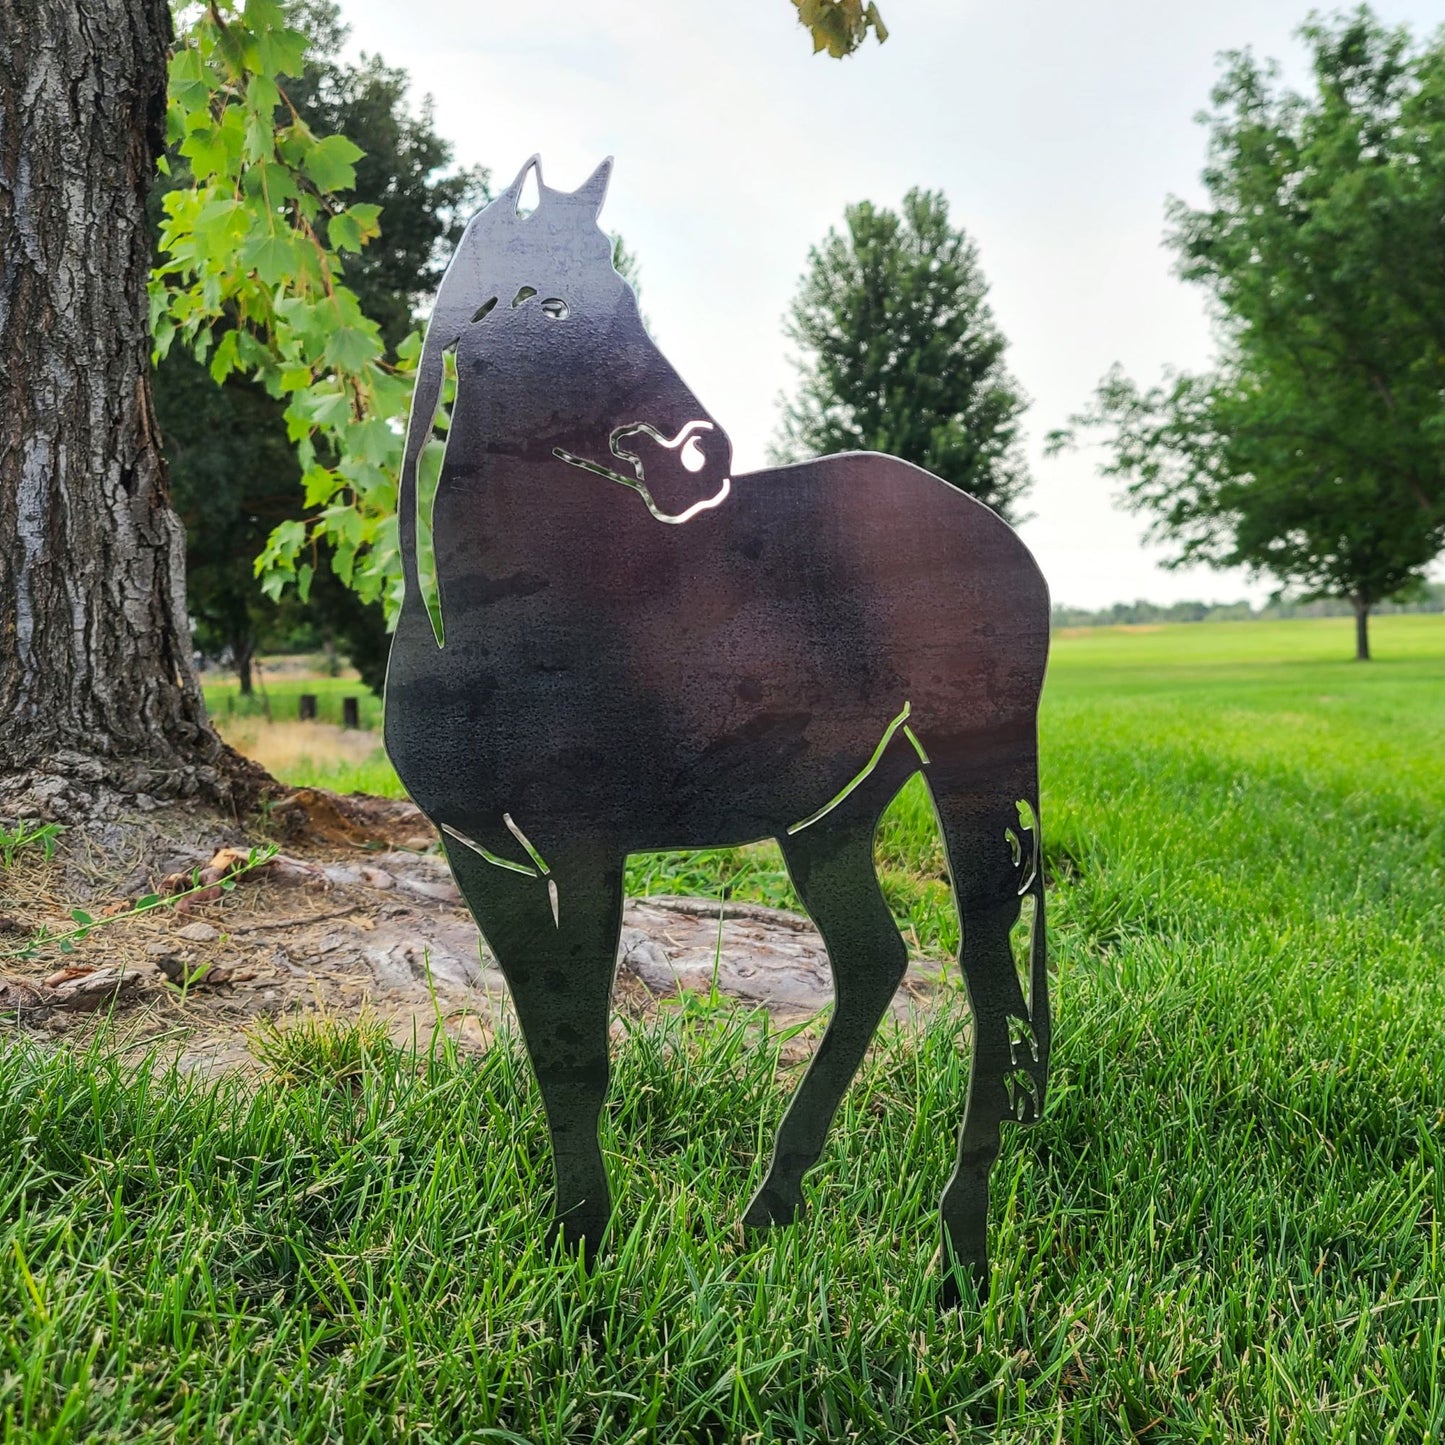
(374, 775)
(280, 699)
(1227, 1226)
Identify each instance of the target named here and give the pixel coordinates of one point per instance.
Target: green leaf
(188, 79)
(371, 441)
(281, 52)
(293, 141)
(259, 145)
(262, 96)
(330, 163)
(349, 349)
(273, 258)
(223, 363)
(253, 354)
(284, 545)
(260, 16)
(162, 334)
(320, 484)
(214, 148)
(343, 233)
(206, 151)
(270, 183)
(81, 916)
(343, 560)
(325, 405)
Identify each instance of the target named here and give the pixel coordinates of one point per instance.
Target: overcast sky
(1055, 129)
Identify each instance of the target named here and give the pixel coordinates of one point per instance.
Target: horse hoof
(576, 1232)
(773, 1207)
(963, 1284)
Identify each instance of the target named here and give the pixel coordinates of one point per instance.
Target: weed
(27, 835)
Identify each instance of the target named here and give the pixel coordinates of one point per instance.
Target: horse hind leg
(831, 865)
(995, 863)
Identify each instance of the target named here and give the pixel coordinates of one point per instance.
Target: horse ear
(594, 189)
(513, 194)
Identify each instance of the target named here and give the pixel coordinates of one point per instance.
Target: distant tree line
(1431, 598)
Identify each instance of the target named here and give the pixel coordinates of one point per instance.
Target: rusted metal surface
(639, 650)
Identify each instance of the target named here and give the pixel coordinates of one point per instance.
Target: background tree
(234, 476)
(254, 263)
(899, 353)
(98, 699)
(97, 695)
(1315, 452)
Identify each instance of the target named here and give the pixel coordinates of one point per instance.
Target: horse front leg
(557, 947)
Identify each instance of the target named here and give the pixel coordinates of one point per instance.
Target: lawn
(1227, 1226)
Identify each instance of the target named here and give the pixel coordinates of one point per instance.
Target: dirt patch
(359, 912)
(281, 747)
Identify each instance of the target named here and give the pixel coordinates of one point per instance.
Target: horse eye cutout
(554, 308)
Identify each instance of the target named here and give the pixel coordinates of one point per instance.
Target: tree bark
(243, 650)
(1362, 630)
(98, 699)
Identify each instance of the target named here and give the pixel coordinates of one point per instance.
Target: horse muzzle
(676, 476)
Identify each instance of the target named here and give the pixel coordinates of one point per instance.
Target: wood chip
(64, 975)
(95, 990)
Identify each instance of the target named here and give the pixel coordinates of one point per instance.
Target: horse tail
(1039, 1016)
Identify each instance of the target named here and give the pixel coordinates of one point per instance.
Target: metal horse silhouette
(638, 650)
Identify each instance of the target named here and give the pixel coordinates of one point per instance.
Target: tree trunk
(98, 699)
(243, 650)
(1362, 630)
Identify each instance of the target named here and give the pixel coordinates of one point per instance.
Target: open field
(1251, 693)
(1227, 1226)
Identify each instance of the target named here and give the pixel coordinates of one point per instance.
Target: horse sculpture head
(551, 350)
